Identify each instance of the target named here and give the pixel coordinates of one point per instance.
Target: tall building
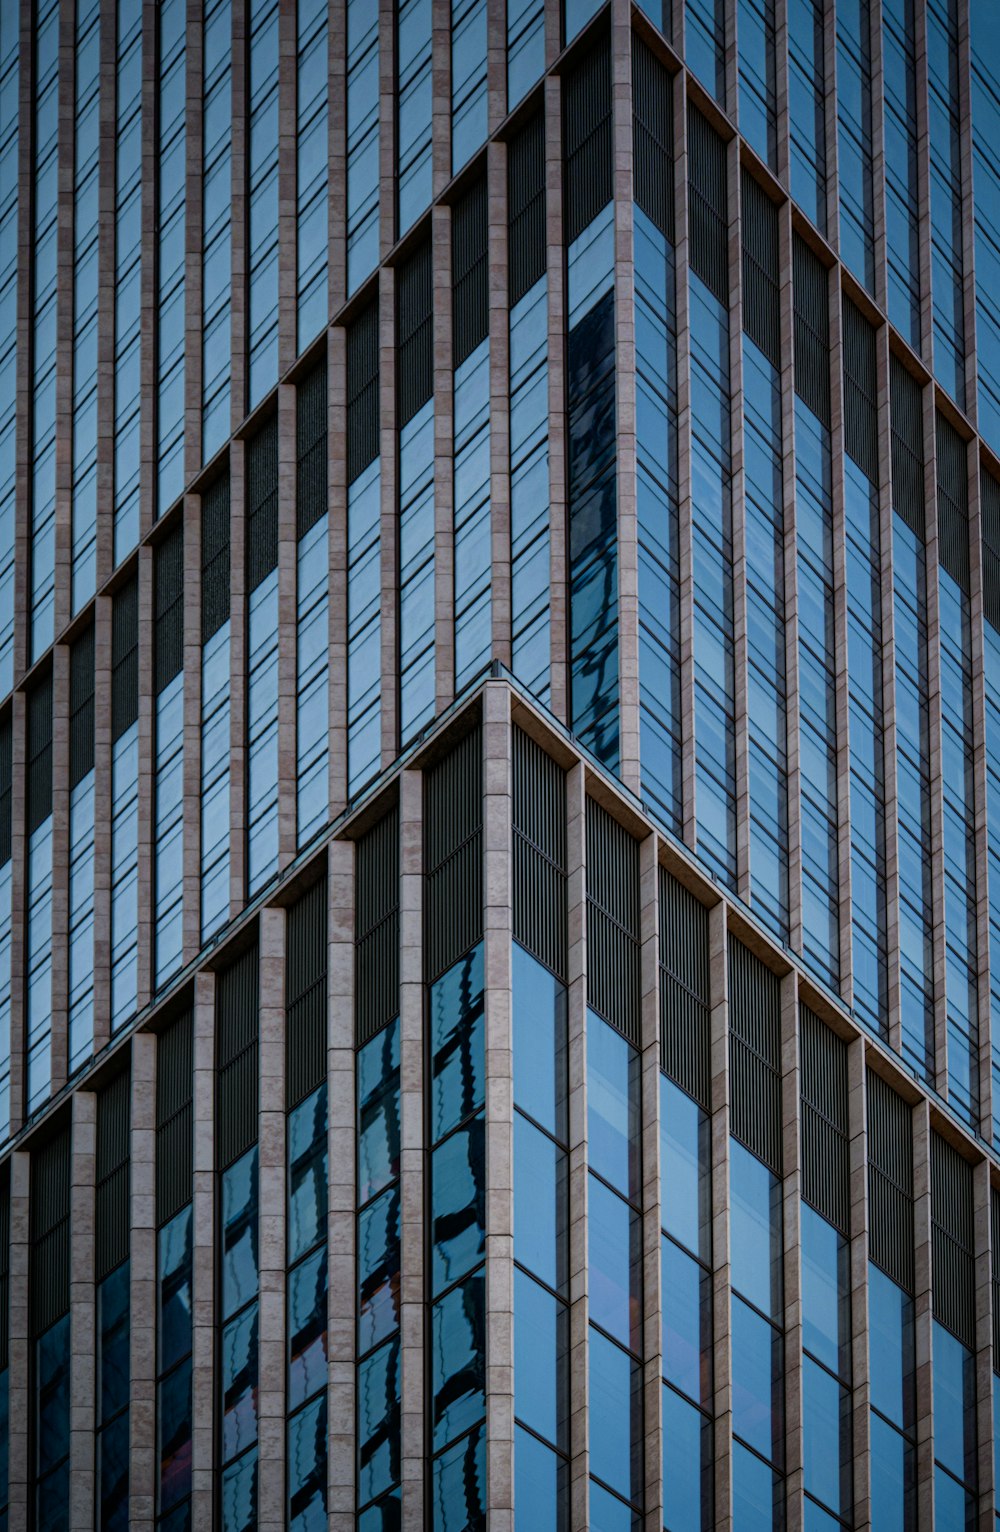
(499, 765)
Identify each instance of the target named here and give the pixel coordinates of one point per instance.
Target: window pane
(541, 1485)
(175, 1288)
(826, 1431)
(757, 1381)
(378, 1269)
(307, 1174)
(954, 1405)
(614, 1239)
(685, 1170)
(378, 1422)
(113, 1329)
(458, 1358)
(239, 1494)
(615, 1430)
(239, 1383)
(826, 1308)
(112, 1475)
(609, 1514)
(539, 1204)
(378, 1112)
(239, 1233)
(174, 1427)
(458, 1486)
(755, 1232)
(687, 1321)
(540, 1323)
(758, 1502)
(307, 1328)
(456, 1006)
(458, 1203)
(890, 1331)
(539, 1015)
(613, 1106)
(53, 1395)
(892, 1485)
(307, 1468)
(687, 1466)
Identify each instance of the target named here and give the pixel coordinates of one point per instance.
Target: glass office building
(500, 765)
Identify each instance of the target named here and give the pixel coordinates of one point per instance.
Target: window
(128, 258)
(312, 151)
(312, 648)
(38, 954)
(168, 790)
(9, 89)
(414, 104)
(124, 802)
(468, 79)
(262, 198)
(215, 711)
(85, 282)
(525, 47)
(45, 126)
(216, 260)
(854, 120)
(171, 171)
(262, 656)
(807, 108)
(81, 850)
(362, 142)
(364, 553)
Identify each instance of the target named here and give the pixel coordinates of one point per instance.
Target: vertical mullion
(272, 1194)
(83, 1379)
(341, 1183)
(577, 1174)
(204, 1199)
(653, 1297)
(142, 1283)
(840, 646)
(412, 1322)
(556, 286)
(499, 1107)
(721, 1302)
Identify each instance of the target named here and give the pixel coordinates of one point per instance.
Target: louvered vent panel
(826, 1184)
(906, 415)
(214, 558)
(124, 658)
(812, 329)
(310, 450)
(860, 390)
(707, 205)
(168, 603)
(362, 392)
(306, 993)
(111, 1223)
(953, 1243)
(81, 707)
(761, 311)
(539, 843)
(39, 725)
(469, 272)
(587, 144)
(376, 927)
(953, 503)
(262, 504)
(890, 1182)
(685, 1038)
(50, 1227)
(526, 207)
(236, 1036)
(174, 1118)
(653, 137)
(453, 855)
(414, 332)
(755, 1055)
(613, 980)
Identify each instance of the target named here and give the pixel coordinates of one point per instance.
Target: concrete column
(685, 508)
(203, 1350)
(412, 1154)
(625, 401)
(923, 1314)
(718, 990)
(576, 1037)
(559, 685)
(791, 1189)
(287, 626)
(857, 1116)
(984, 1346)
(444, 453)
(499, 323)
(840, 645)
(272, 1193)
(741, 721)
(388, 513)
(652, 1330)
(19, 1338)
(84, 1345)
(341, 1189)
(143, 1284)
(497, 937)
(786, 300)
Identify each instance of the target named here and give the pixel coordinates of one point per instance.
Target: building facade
(499, 765)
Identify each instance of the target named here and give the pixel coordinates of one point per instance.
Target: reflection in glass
(378, 1421)
(307, 1467)
(378, 1112)
(613, 1107)
(687, 1466)
(458, 1203)
(541, 1485)
(685, 1170)
(539, 1020)
(758, 1501)
(755, 1231)
(307, 1328)
(307, 1138)
(757, 1361)
(458, 1358)
(616, 1430)
(540, 1325)
(458, 1488)
(539, 1204)
(614, 1241)
(687, 1323)
(378, 1269)
(457, 1043)
(239, 1233)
